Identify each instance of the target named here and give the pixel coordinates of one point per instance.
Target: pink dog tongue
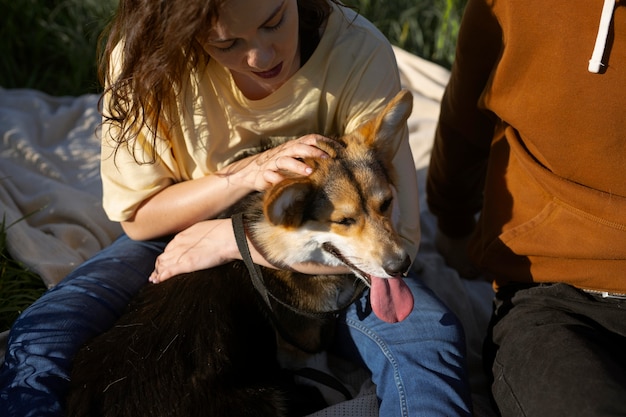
(391, 299)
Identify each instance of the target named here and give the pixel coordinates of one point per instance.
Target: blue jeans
(418, 365)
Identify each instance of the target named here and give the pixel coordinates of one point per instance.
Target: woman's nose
(260, 57)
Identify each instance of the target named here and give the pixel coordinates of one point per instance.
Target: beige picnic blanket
(50, 199)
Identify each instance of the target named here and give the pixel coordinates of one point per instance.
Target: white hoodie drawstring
(603, 30)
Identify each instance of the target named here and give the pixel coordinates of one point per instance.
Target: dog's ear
(285, 203)
(392, 119)
(379, 133)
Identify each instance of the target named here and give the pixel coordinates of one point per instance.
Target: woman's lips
(274, 72)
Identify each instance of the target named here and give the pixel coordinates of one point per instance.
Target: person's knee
(437, 324)
(451, 328)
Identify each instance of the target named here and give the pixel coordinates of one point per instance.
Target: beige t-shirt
(350, 76)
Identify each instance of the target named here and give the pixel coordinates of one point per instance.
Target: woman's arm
(181, 205)
(210, 243)
(189, 208)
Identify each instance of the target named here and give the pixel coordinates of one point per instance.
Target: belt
(606, 294)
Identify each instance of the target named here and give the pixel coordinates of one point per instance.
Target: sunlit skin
(257, 41)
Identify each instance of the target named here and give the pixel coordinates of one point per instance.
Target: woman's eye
(275, 26)
(226, 48)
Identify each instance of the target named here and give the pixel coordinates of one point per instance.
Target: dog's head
(341, 214)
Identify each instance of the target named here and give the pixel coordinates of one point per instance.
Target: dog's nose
(398, 266)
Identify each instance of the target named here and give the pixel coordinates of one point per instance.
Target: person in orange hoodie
(528, 183)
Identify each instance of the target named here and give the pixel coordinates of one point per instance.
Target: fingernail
(308, 170)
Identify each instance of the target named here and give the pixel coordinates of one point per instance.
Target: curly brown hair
(159, 48)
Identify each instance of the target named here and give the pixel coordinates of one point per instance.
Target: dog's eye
(385, 205)
(345, 221)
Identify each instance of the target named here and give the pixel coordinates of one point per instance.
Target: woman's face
(257, 40)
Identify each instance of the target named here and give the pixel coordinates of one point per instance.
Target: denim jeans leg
(47, 335)
(418, 365)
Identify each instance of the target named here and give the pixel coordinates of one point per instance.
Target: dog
(205, 343)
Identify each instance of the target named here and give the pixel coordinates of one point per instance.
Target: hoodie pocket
(557, 231)
(566, 232)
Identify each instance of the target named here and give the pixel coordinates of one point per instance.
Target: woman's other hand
(204, 245)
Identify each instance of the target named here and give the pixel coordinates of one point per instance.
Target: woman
(189, 84)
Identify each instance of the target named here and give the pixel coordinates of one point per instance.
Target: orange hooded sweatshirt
(532, 134)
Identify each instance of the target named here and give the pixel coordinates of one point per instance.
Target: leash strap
(255, 271)
(259, 284)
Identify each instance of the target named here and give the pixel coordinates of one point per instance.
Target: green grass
(427, 28)
(19, 287)
(50, 45)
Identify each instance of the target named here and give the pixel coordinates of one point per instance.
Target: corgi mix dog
(205, 343)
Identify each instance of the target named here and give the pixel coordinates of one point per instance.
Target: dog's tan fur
(203, 343)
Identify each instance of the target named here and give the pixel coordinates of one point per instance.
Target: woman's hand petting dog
(260, 171)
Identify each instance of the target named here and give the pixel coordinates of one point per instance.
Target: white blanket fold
(50, 193)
